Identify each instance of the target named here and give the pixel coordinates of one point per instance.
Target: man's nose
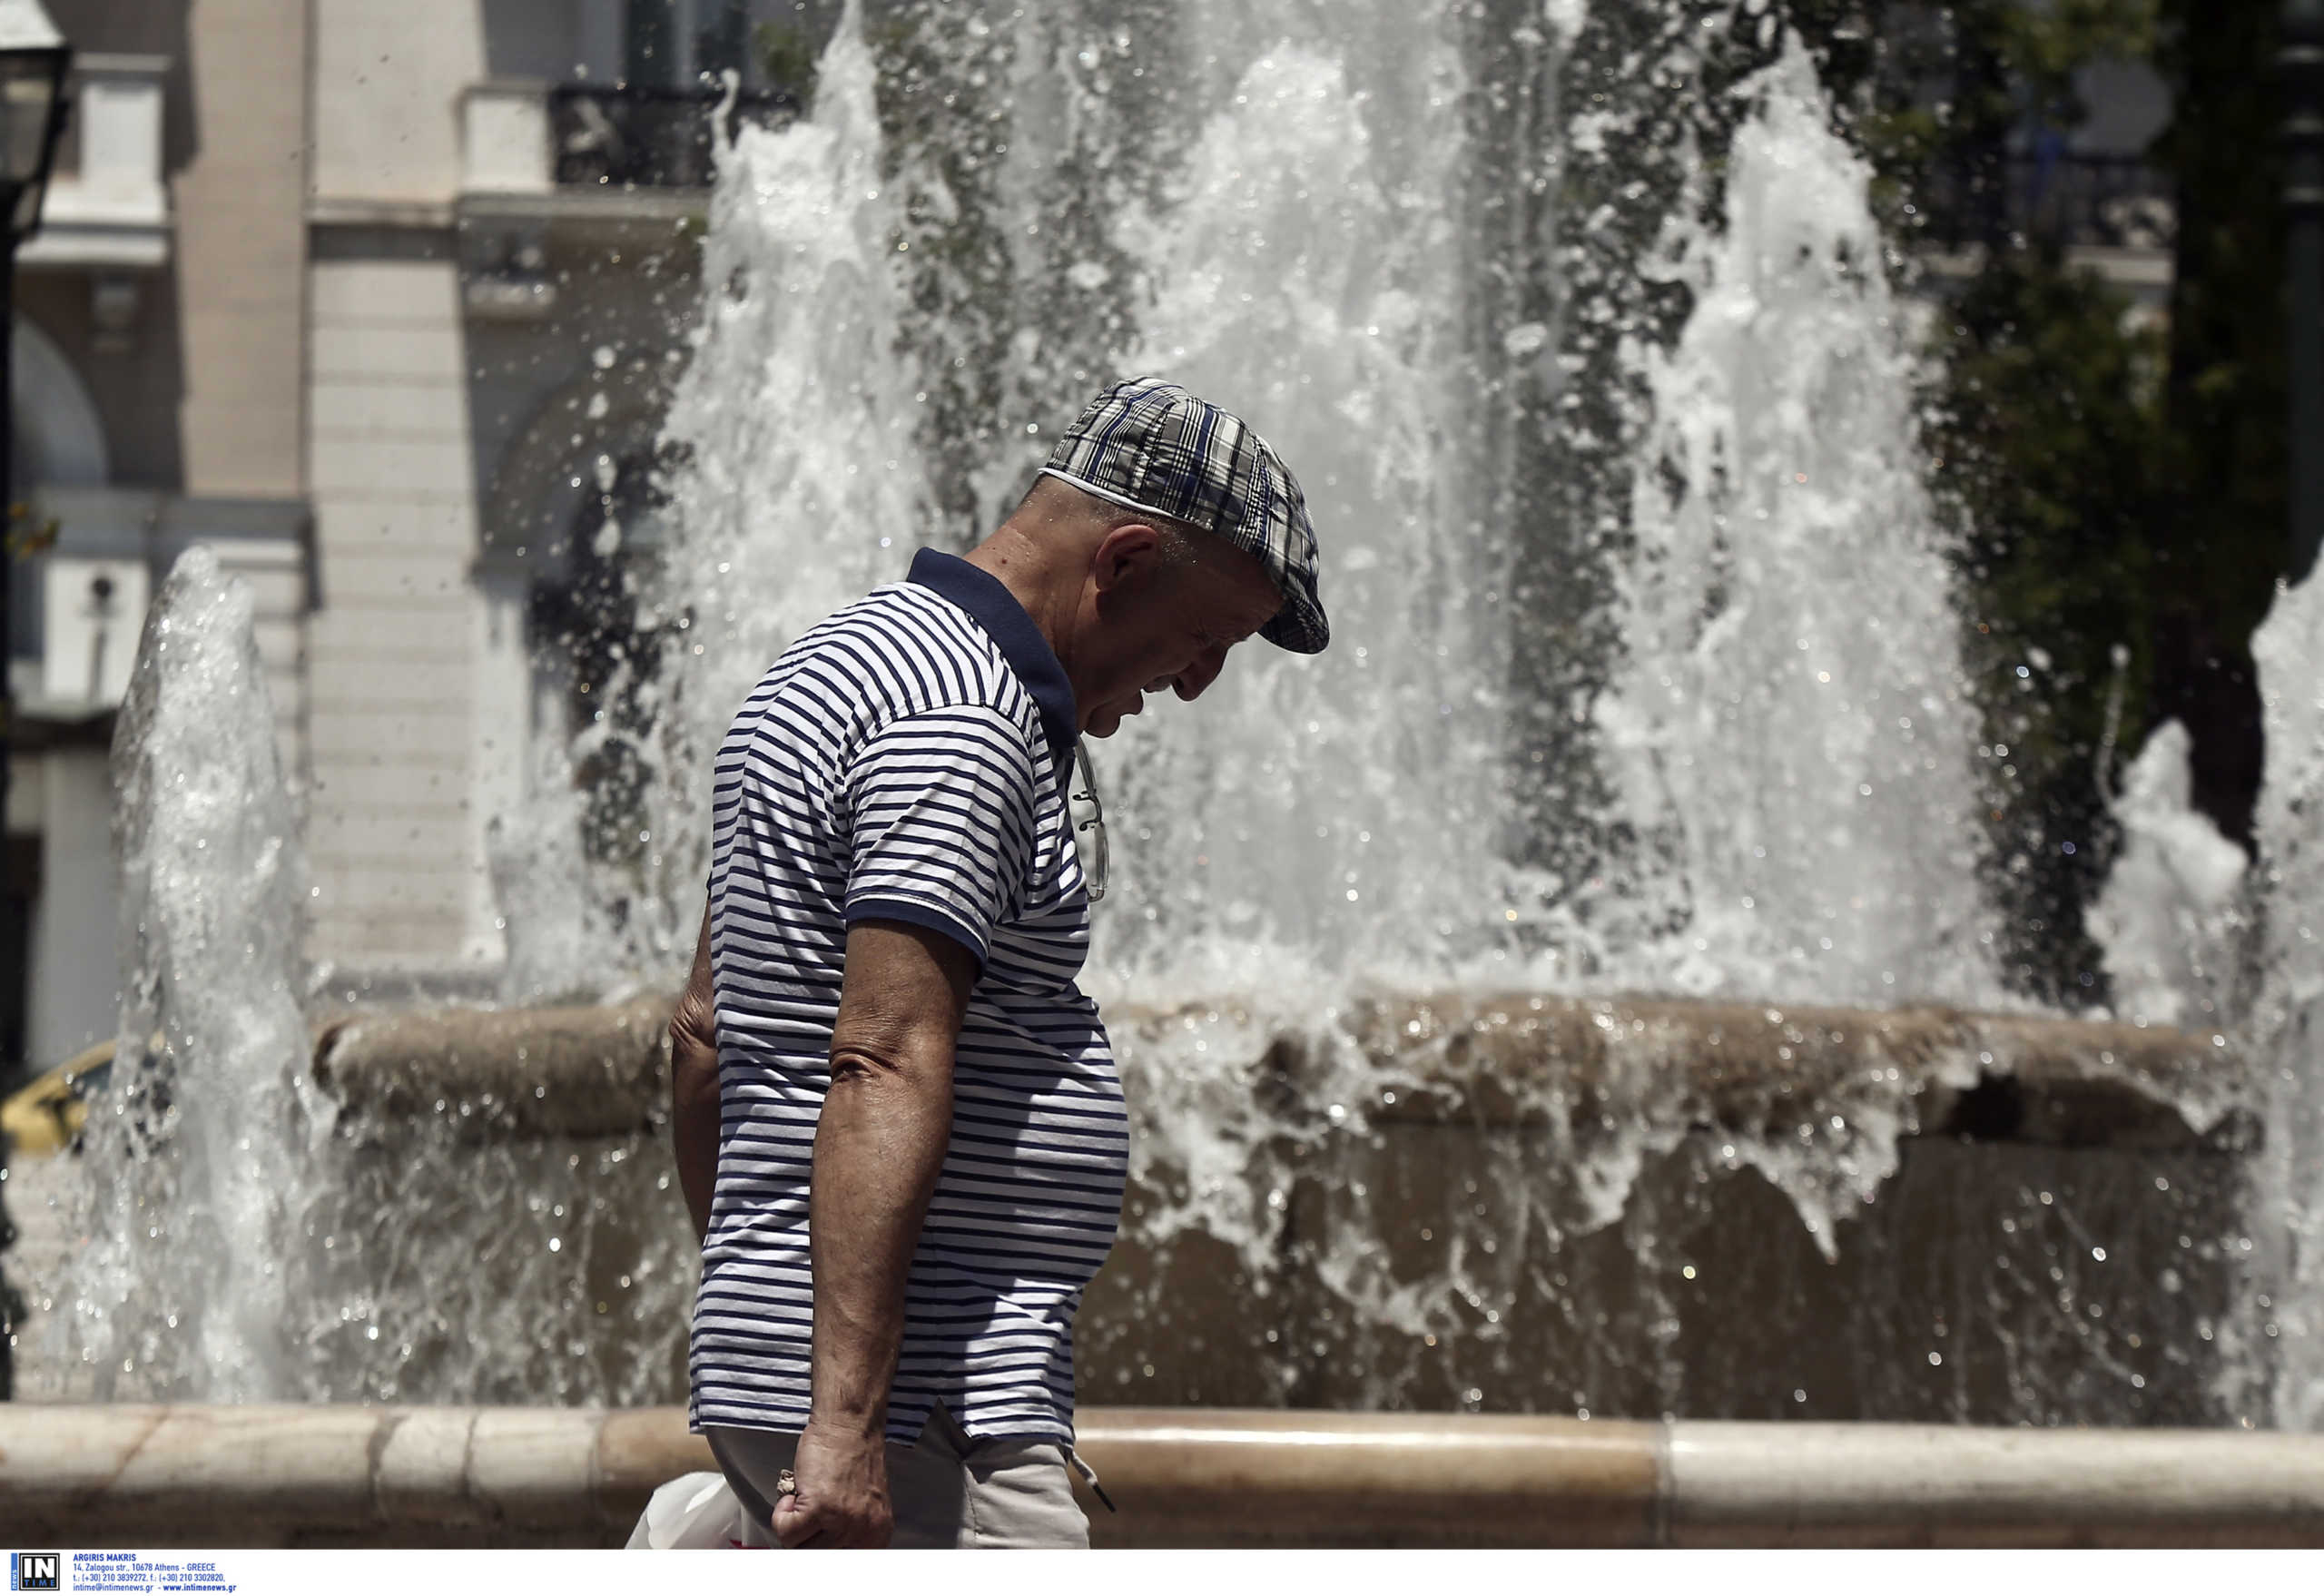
(1201, 673)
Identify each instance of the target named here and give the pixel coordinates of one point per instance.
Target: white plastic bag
(692, 1512)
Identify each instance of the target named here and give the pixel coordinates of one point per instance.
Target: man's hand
(842, 1498)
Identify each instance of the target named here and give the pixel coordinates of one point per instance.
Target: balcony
(2113, 214)
(2093, 202)
(2076, 200)
(648, 138)
(573, 141)
(108, 206)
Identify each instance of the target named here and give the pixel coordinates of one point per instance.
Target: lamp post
(2299, 62)
(34, 59)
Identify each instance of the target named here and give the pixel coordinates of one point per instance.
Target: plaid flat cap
(1152, 446)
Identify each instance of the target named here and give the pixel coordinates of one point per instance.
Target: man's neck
(1037, 580)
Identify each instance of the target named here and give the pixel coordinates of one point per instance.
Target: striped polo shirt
(906, 760)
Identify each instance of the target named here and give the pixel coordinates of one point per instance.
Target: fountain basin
(593, 1071)
(122, 1476)
(1549, 1205)
(1647, 1207)
(575, 1073)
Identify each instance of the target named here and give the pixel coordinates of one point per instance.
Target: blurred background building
(381, 301)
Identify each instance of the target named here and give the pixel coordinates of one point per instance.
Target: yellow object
(43, 1118)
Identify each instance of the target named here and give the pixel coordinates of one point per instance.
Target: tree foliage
(2047, 455)
(2222, 531)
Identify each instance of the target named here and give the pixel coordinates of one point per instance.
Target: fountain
(1792, 725)
(2290, 1191)
(1719, 1111)
(190, 1271)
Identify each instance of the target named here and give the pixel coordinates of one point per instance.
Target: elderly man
(898, 1127)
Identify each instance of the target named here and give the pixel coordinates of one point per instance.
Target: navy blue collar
(993, 607)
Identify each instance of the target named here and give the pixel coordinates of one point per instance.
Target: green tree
(2221, 533)
(2047, 451)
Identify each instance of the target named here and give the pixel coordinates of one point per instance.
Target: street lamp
(34, 59)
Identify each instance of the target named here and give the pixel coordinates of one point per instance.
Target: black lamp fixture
(34, 59)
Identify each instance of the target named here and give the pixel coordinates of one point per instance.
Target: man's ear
(1125, 556)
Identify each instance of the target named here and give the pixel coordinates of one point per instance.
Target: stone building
(381, 301)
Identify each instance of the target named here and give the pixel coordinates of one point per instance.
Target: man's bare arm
(693, 1088)
(880, 1146)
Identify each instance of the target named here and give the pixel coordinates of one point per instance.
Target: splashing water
(213, 1115)
(1276, 822)
(800, 486)
(2286, 1029)
(248, 1242)
(2168, 920)
(1340, 815)
(1792, 725)
(1812, 807)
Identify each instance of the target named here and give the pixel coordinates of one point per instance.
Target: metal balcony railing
(627, 135)
(2078, 200)
(2115, 202)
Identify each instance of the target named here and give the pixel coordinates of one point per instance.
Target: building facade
(158, 390)
(382, 303)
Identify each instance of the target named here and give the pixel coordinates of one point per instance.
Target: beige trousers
(948, 1490)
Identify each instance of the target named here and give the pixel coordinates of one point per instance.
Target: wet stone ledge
(1630, 1207)
(560, 1073)
(126, 1475)
(1740, 1067)
(1504, 1061)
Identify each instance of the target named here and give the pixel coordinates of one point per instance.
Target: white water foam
(1325, 829)
(799, 487)
(2169, 920)
(206, 1137)
(1312, 819)
(1792, 726)
(234, 1241)
(2285, 1033)
(1338, 811)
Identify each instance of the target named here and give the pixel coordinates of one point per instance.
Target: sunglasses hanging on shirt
(1081, 796)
